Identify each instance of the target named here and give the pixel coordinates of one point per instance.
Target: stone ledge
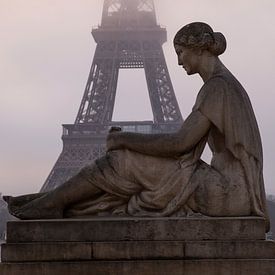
(230, 250)
(136, 229)
(32, 252)
(164, 267)
(40, 252)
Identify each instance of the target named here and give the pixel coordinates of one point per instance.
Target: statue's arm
(194, 128)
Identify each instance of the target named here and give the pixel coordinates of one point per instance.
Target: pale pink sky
(45, 56)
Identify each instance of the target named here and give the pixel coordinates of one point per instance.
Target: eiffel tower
(128, 38)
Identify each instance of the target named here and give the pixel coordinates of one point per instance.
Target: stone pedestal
(189, 246)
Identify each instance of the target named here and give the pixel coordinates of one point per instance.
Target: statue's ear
(198, 51)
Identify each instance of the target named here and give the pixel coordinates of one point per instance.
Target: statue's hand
(115, 129)
(114, 141)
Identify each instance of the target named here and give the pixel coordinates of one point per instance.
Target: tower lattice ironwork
(128, 37)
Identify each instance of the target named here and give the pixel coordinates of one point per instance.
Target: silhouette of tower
(128, 37)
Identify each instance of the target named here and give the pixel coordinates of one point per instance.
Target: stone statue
(160, 175)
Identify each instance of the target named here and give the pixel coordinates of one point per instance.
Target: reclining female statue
(162, 174)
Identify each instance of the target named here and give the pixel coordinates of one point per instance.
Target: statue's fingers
(115, 129)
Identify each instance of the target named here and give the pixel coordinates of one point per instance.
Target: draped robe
(232, 185)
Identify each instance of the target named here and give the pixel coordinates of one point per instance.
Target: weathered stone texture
(223, 246)
(140, 250)
(175, 267)
(138, 229)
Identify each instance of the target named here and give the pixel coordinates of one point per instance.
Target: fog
(46, 53)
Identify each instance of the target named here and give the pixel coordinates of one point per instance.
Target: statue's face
(188, 59)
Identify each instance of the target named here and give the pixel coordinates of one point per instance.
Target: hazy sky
(45, 55)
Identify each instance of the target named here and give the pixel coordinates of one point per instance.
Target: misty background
(46, 51)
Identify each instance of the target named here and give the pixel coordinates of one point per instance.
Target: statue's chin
(190, 72)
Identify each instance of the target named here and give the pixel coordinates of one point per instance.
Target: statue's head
(200, 35)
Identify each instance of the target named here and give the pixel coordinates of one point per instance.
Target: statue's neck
(210, 66)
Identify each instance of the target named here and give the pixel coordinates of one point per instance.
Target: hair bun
(201, 35)
(219, 45)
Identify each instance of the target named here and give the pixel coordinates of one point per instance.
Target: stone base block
(157, 267)
(136, 229)
(135, 246)
(142, 250)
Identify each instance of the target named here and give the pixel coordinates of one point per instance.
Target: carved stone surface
(137, 250)
(162, 175)
(122, 229)
(158, 267)
(80, 249)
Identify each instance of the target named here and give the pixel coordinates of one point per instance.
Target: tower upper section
(121, 18)
(128, 14)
